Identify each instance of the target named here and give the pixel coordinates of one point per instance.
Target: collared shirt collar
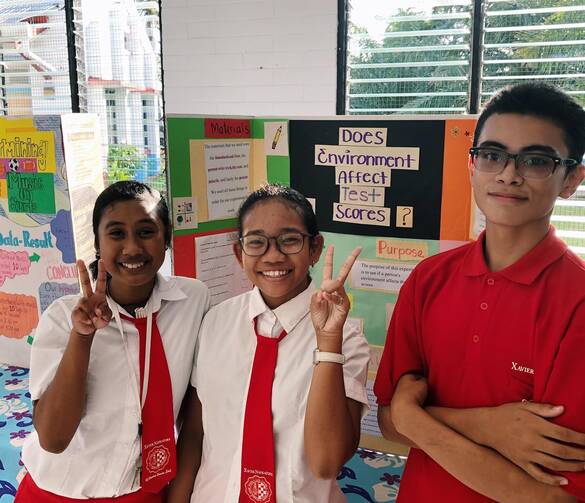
(523, 271)
(164, 289)
(288, 314)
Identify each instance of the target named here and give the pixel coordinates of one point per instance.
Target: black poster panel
(420, 189)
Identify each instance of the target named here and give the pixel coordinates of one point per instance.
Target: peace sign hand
(92, 311)
(330, 304)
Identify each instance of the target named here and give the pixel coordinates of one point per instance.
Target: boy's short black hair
(289, 197)
(543, 101)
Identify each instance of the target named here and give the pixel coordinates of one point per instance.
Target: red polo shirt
(483, 339)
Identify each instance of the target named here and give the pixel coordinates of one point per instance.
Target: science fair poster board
(50, 174)
(214, 163)
(398, 187)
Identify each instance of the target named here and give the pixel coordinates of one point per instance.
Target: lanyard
(145, 312)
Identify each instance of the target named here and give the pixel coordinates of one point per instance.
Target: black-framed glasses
(528, 164)
(287, 243)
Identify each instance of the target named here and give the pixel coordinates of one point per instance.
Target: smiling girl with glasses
(279, 381)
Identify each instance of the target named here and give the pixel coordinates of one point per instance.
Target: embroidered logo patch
(258, 489)
(157, 458)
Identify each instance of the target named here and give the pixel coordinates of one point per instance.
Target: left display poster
(51, 171)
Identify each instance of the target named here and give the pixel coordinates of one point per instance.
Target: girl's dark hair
(544, 101)
(289, 197)
(128, 190)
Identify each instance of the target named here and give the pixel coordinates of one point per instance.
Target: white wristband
(324, 356)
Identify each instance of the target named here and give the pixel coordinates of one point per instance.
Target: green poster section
(180, 130)
(367, 305)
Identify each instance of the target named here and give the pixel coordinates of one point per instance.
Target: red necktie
(258, 480)
(159, 458)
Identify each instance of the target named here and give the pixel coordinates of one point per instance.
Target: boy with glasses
(482, 368)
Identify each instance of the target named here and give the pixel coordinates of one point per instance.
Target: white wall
(242, 57)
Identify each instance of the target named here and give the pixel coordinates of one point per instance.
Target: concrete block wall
(243, 57)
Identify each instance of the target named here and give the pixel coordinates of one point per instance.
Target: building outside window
(118, 64)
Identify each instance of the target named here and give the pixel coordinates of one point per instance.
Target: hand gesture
(330, 304)
(522, 433)
(92, 311)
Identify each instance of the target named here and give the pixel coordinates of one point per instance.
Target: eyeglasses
(288, 243)
(528, 165)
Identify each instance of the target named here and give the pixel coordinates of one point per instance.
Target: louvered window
(34, 72)
(449, 56)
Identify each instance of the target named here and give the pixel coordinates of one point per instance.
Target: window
(408, 59)
(34, 76)
(424, 57)
(117, 53)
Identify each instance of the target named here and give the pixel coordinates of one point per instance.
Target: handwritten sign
(370, 177)
(18, 315)
(362, 136)
(387, 157)
(391, 249)
(227, 128)
(31, 193)
(13, 264)
(404, 216)
(39, 145)
(337, 162)
(364, 195)
(50, 291)
(361, 215)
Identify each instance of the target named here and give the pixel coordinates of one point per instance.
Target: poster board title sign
(363, 166)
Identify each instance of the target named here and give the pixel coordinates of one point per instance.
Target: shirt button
(476, 338)
(483, 306)
(490, 281)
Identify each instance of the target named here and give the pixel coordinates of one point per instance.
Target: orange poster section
(456, 200)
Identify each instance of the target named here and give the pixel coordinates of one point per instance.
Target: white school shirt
(102, 459)
(227, 343)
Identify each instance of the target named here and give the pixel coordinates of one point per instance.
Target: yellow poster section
(257, 169)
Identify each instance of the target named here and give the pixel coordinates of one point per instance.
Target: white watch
(324, 356)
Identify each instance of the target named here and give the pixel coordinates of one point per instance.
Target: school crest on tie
(157, 458)
(258, 489)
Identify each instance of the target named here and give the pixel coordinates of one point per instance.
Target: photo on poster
(185, 213)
